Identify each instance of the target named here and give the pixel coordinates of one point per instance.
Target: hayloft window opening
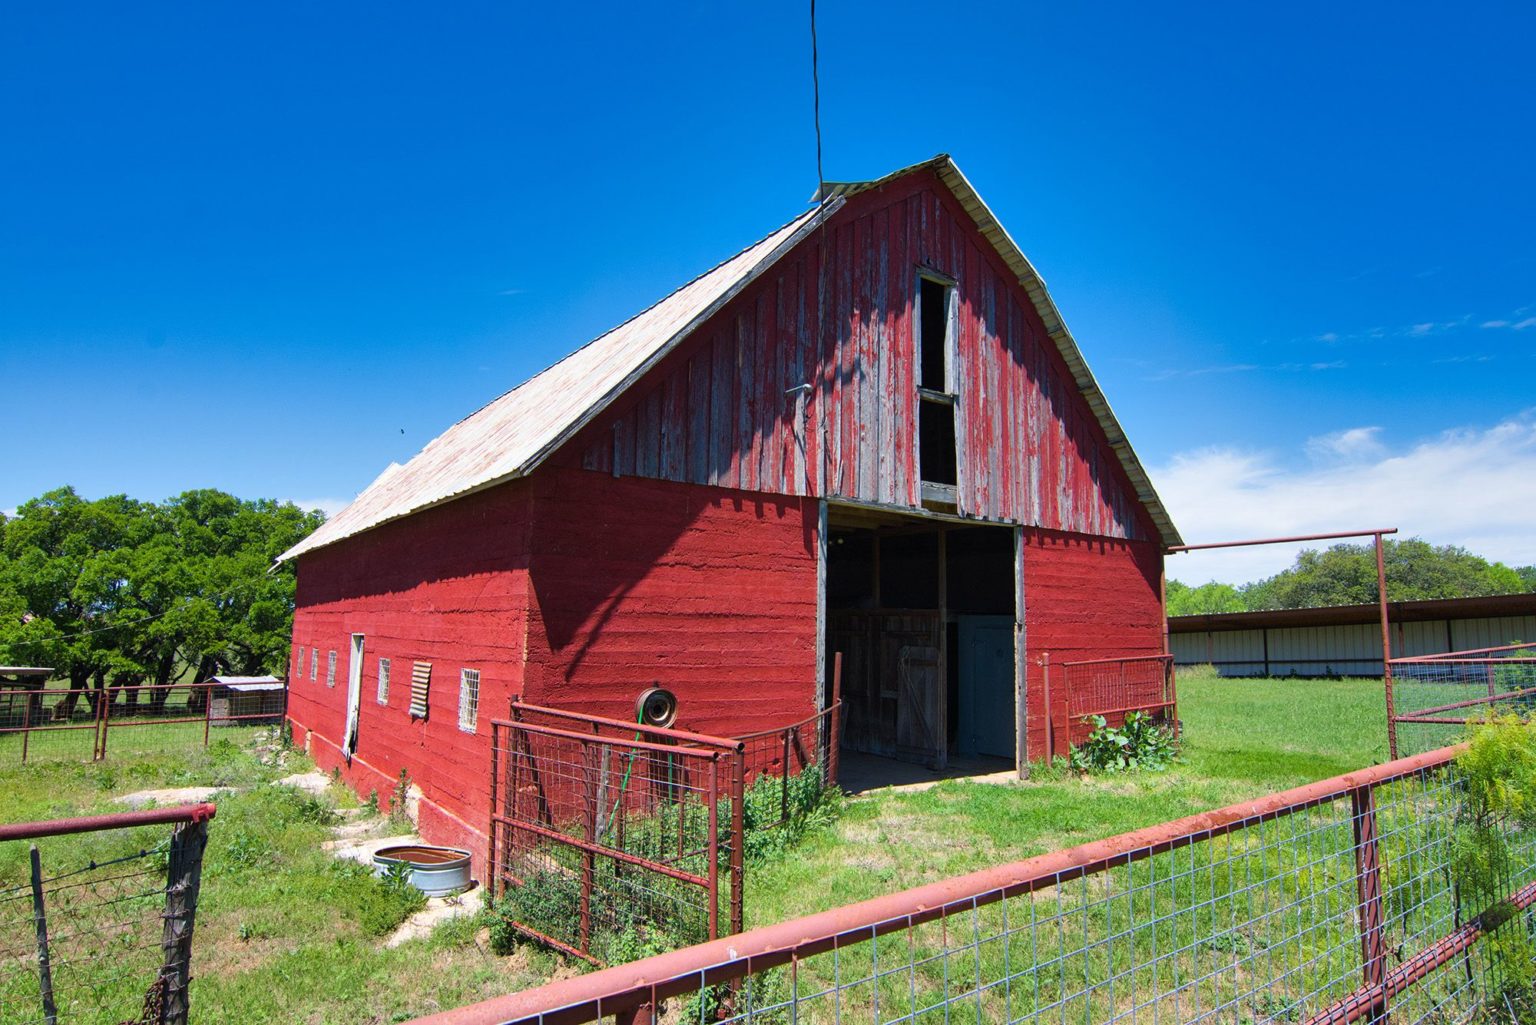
(314, 664)
(469, 699)
(330, 668)
(383, 696)
(934, 341)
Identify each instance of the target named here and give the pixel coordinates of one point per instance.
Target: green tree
(1345, 574)
(145, 592)
(1207, 599)
(1527, 575)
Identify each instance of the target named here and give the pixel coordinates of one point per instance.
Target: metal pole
(738, 841)
(26, 726)
(835, 724)
(712, 870)
(588, 865)
(40, 919)
(1373, 942)
(208, 710)
(1386, 648)
(1045, 693)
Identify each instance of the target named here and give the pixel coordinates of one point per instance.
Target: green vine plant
(1140, 743)
(1498, 778)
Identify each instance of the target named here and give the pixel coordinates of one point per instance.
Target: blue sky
(271, 249)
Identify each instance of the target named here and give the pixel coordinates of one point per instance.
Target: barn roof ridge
(452, 466)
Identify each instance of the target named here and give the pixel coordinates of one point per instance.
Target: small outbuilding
(869, 433)
(246, 700)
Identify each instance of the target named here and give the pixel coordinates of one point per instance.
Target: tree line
(125, 592)
(1345, 574)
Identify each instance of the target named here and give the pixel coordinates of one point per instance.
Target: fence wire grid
(1334, 902)
(97, 931)
(1109, 687)
(1433, 697)
(611, 840)
(86, 723)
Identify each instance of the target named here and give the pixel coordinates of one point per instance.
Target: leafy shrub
(288, 805)
(808, 802)
(1140, 743)
(1498, 776)
(389, 901)
(548, 901)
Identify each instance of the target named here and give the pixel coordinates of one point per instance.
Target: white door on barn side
(354, 696)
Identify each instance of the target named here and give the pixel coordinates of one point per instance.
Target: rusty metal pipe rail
(1117, 661)
(776, 731)
(118, 820)
(699, 739)
(624, 988)
(1455, 656)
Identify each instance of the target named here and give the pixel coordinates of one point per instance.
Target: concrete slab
(315, 783)
(437, 911)
(362, 849)
(864, 773)
(168, 796)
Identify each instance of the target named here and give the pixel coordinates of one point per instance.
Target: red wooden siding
(448, 586)
(721, 411)
(1086, 598)
(709, 593)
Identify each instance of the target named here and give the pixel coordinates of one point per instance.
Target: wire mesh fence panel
(1109, 687)
(789, 769)
(1434, 696)
(96, 917)
(83, 724)
(606, 845)
(1346, 900)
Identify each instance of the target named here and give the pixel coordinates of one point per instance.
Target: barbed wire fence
(97, 930)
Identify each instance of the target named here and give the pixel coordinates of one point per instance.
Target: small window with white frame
(469, 699)
(330, 668)
(314, 664)
(383, 681)
(298, 664)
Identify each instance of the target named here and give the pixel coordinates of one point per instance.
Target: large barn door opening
(923, 614)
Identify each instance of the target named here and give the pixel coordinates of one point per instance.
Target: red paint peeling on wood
(1032, 452)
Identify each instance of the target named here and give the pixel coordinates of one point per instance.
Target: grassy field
(283, 931)
(1242, 738)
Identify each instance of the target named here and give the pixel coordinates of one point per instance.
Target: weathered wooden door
(920, 705)
(987, 715)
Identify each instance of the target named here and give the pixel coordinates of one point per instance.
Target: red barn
(870, 432)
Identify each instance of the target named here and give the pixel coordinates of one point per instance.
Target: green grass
(282, 936)
(1242, 738)
(285, 932)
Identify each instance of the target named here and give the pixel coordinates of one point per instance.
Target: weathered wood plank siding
(724, 409)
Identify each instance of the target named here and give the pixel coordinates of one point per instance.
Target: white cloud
(1469, 487)
(1495, 323)
(329, 506)
(1355, 443)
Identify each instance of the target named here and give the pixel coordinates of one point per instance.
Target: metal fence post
(183, 880)
(712, 870)
(834, 724)
(738, 839)
(1045, 696)
(1371, 923)
(588, 860)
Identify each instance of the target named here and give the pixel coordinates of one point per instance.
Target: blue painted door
(986, 686)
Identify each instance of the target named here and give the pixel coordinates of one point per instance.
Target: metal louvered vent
(421, 678)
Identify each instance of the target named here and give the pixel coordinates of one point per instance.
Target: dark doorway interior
(923, 614)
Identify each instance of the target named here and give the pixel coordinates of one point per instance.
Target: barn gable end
(731, 408)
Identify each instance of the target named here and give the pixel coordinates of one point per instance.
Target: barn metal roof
(513, 434)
